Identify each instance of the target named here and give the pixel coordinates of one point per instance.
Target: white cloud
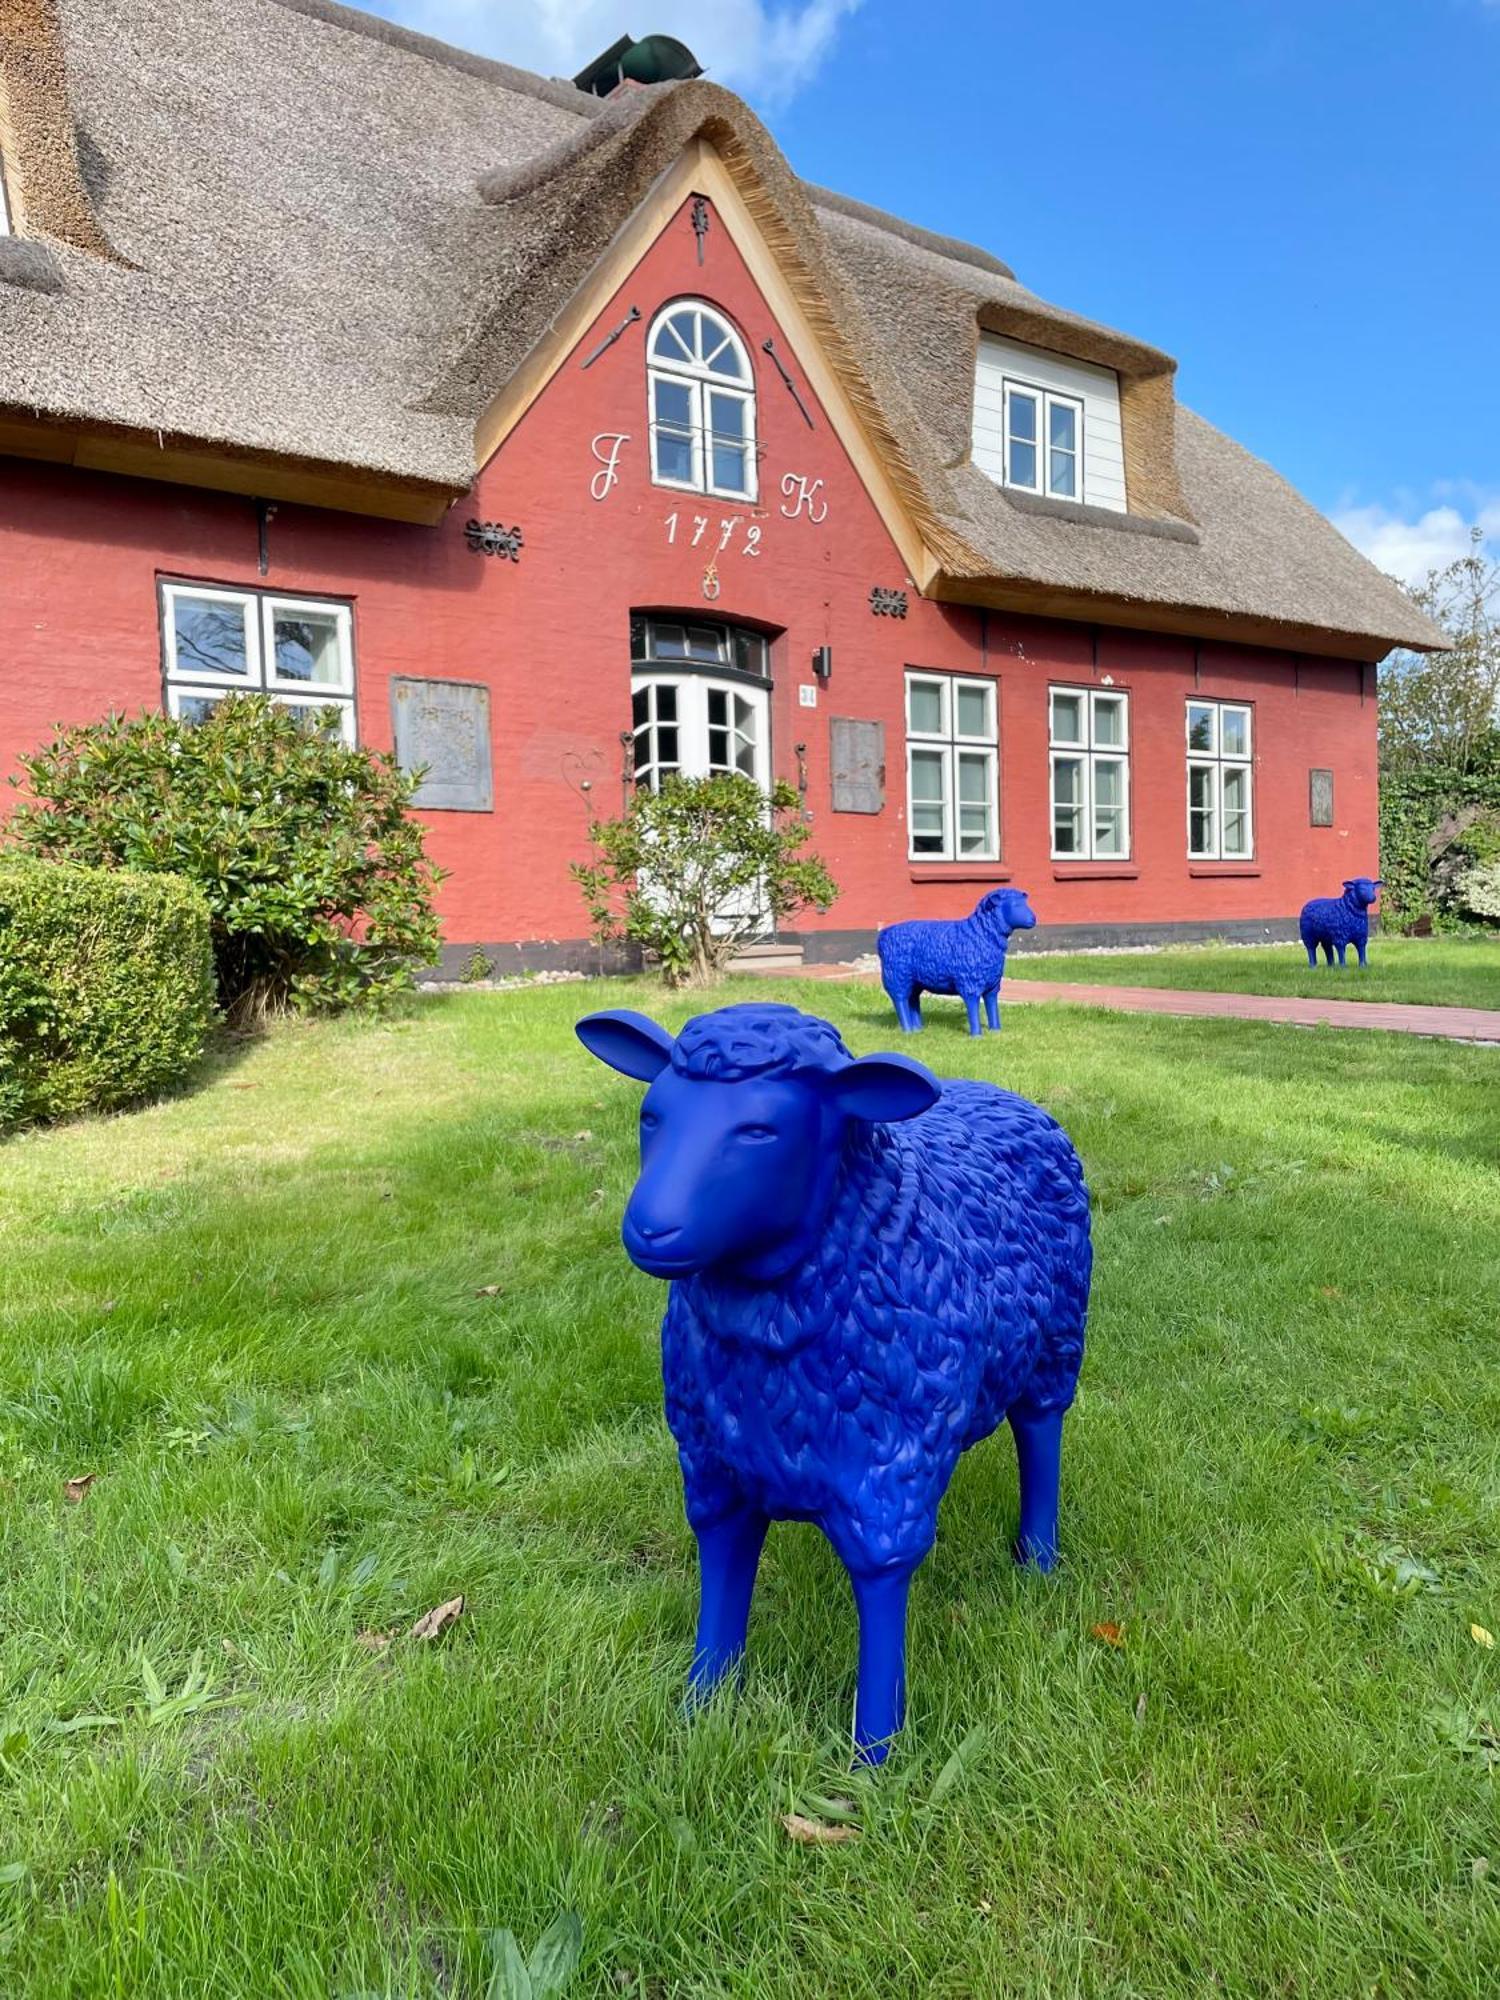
(766, 51)
(1407, 540)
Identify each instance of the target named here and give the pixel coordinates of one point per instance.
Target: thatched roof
(263, 234)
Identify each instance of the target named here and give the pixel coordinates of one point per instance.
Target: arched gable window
(702, 402)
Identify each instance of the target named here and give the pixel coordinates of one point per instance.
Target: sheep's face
(728, 1171)
(739, 1173)
(1363, 890)
(1008, 910)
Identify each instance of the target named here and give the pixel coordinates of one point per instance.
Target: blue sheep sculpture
(1336, 922)
(870, 1271)
(966, 957)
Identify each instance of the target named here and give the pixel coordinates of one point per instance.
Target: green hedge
(106, 986)
(1425, 871)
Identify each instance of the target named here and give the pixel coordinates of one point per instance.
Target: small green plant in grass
(694, 871)
(313, 869)
(550, 1968)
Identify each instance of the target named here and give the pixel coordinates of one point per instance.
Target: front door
(696, 708)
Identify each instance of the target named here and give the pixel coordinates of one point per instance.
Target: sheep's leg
(1359, 946)
(899, 1001)
(728, 1555)
(914, 1008)
(1327, 952)
(1342, 949)
(1312, 952)
(880, 1699)
(971, 1008)
(992, 1008)
(1039, 1457)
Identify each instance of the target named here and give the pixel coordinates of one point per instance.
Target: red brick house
(560, 441)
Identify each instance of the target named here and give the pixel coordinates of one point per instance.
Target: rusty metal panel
(445, 725)
(857, 762)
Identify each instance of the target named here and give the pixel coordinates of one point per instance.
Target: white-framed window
(952, 768)
(298, 650)
(1220, 784)
(702, 398)
(1043, 441)
(700, 700)
(1088, 735)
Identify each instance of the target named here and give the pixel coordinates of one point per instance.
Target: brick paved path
(1464, 1024)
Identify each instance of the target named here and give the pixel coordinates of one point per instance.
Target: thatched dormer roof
(281, 246)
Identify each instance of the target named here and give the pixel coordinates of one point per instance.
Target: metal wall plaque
(445, 725)
(1320, 798)
(857, 760)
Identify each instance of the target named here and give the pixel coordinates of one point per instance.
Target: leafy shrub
(314, 872)
(106, 986)
(1479, 892)
(1439, 827)
(691, 872)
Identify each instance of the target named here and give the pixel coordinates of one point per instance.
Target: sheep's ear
(632, 1043)
(881, 1089)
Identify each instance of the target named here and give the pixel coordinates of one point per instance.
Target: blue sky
(1300, 199)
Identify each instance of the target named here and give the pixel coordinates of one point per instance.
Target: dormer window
(702, 396)
(1043, 441)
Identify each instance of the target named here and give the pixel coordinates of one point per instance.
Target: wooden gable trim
(700, 170)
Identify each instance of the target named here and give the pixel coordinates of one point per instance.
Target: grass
(1437, 972)
(264, 1316)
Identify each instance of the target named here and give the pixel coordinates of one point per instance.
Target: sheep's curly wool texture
(950, 1287)
(1336, 922)
(966, 956)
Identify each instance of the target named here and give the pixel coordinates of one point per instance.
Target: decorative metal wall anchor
(887, 603)
(767, 346)
(610, 338)
(700, 222)
(711, 581)
(488, 538)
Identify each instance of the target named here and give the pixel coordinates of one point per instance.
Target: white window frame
(699, 380)
(1045, 400)
(1215, 761)
(259, 610)
(952, 747)
(1089, 752)
(692, 724)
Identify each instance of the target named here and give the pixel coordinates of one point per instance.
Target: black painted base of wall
(835, 947)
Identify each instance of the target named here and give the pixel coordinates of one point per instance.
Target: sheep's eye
(649, 1121)
(756, 1132)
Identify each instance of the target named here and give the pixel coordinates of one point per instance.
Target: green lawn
(263, 1315)
(1438, 972)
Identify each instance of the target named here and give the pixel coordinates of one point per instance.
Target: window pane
(1200, 786)
(1109, 781)
(1109, 720)
(1062, 426)
(309, 647)
(751, 653)
(1200, 833)
(729, 469)
(718, 749)
(726, 417)
(1067, 805)
(718, 708)
(1067, 829)
(195, 708)
(1109, 830)
(1201, 719)
(1062, 452)
(674, 456)
(975, 710)
(1235, 728)
(316, 719)
(722, 358)
(927, 777)
(1067, 718)
(1237, 836)
(924, 708)
(1062, 474)
(704, 643)
(209, 636)
(683, 329)
(668, 642)
(672, 402)
(1067, 781)
(1236, 784)
(973, 779)
(666, 747)
(640, 707)
(1022, 464)
(1022, 418)
(666, 702)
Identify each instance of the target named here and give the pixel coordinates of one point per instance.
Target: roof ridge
(376, 28)
(912, 232)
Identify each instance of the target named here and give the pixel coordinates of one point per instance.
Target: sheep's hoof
(1034, 1555)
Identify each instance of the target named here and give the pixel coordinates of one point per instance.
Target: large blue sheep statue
(1336, 922)
(869, 1272)
(966, 957)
